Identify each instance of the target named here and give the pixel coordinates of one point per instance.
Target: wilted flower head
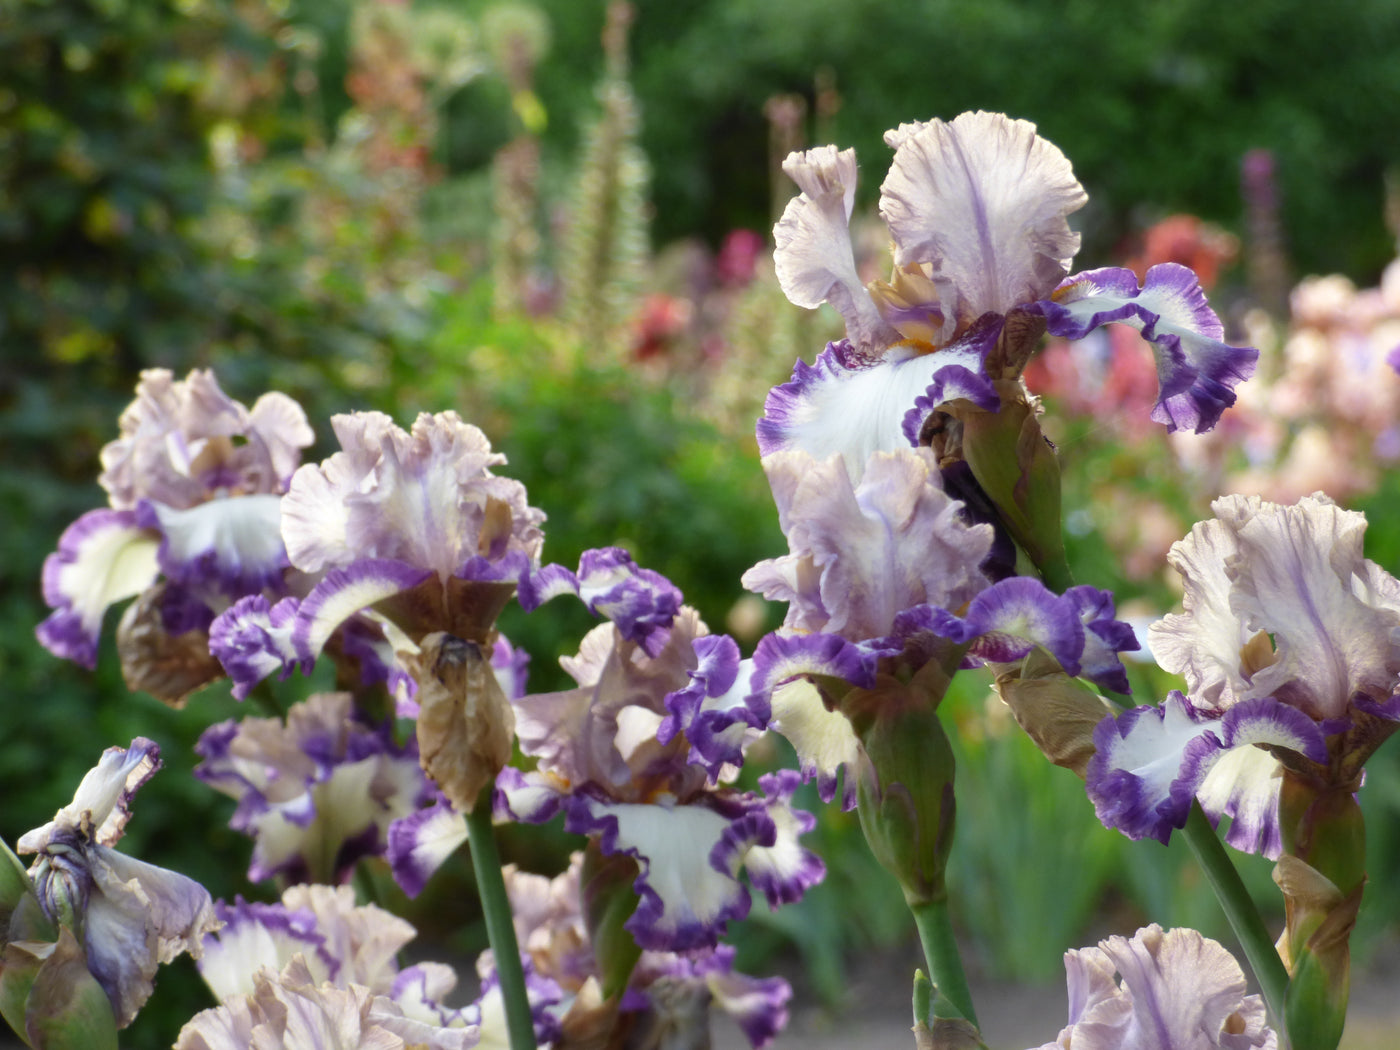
(130, 916)
(317, 792)
(1290, 641)
(977, 211)
(1177, 991)
(194, 486)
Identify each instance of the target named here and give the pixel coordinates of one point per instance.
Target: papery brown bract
(466, 725)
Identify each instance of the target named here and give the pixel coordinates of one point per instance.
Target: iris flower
(317, 792)
(1290, 647)
(194, 486)
(603, 759)
(977, 212)
(1176, 990)
(130, 916)
(884, 576)
(412, 523)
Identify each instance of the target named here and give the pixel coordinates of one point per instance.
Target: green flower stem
(941, 953)
(1240, 910)
(500, 925)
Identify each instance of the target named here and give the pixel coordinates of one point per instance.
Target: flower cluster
(637, 757)
(194, 489)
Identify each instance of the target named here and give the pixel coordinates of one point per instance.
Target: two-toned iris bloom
(666, 990)
(977, 212)
(1290, 647)
(316, 792)
(604, 759)
(884, 576)
(318, 954)
(1176, 990)
(194, 488)
(412, 523)
(130, 916)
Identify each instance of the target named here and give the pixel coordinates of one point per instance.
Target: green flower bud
(905, 791)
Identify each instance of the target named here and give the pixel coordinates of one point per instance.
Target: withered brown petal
(168, 666)
(465, 723)
(1056, 711)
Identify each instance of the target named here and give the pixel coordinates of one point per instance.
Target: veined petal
(420, 842)
(343, 593)
(813, 257)
(1180, 991)
(253, 639)
(103, 557)
(982, 201)
(686, 898)
(853, 405)
(231, 546)
(862, 553)
(1243, 782)
(425, 498)
(1196, 371)
(1153, 761)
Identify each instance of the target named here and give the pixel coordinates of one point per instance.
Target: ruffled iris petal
(813, 257)
(103, 557)
(1196, 371)
(687, 897)
(1011, 617)
(1151, 762)
(823, 739)
(784, 871)
(981, 201)
(855, 406)
(253, 639)
(718, 709)
(1137, 764)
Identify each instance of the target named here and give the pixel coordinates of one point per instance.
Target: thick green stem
(500, 926)
(941, 953)
(1240, 910)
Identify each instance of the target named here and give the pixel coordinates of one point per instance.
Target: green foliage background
(124, 245)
